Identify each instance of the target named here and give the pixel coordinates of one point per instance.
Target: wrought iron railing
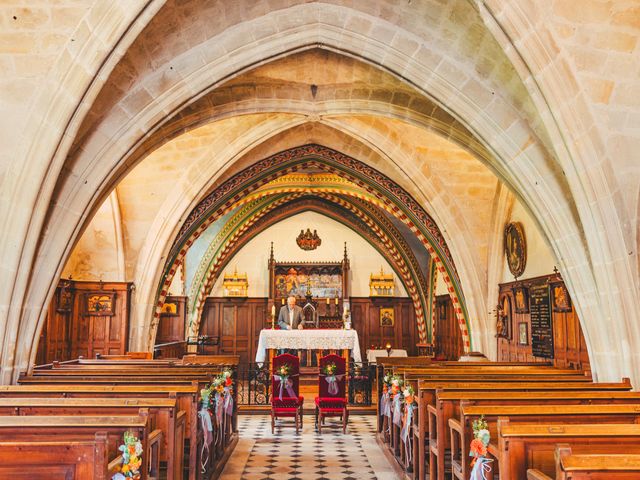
(254, 383)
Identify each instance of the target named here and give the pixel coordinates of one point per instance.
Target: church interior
(393, 239)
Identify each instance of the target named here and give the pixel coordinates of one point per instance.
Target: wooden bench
(525, 446)
(16, 429)
(461, 430)
(163, 415)
(447, 405)
(186, 397)
(55, 460)
(426, 394)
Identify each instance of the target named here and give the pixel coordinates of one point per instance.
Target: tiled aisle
(287, 456)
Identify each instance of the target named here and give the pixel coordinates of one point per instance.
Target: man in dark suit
(290, 316)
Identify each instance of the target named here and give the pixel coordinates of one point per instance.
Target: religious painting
(561, 299)
(503, 318)
(169, 309)
(521, 296)
(100, 303)
(386, 317)
(523, 333)
(515, 248)
(321, 281)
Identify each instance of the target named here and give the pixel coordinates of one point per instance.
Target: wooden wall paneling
(238, 324)
(570, 349)
(70, 333)
(448, 341)
(172, 328)
(105, 334)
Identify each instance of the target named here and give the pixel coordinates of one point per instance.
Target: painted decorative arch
(390, 196)
(385, 238)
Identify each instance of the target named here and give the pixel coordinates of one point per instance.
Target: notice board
(541, 321)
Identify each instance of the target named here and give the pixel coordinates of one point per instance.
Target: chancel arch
(381, 235)
(354, 179)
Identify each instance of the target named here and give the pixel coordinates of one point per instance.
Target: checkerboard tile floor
(309, 455)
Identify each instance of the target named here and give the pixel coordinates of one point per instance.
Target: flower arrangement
(392, 384)
(478, 449)
(329, 369)
(284, 370)
(408, 394)
(220, 386)
(131, 457)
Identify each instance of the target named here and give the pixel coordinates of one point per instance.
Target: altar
(308, 339)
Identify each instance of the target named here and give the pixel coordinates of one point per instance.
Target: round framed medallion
(515, 248)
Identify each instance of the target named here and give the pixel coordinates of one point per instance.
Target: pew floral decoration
(391, 386)
(408, 396)
(131, 457)
(478, 449)
(215, 400)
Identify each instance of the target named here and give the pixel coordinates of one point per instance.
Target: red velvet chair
(332, 401)
(285, 399)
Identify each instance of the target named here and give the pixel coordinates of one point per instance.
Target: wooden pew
(447, 405)
(523, 446)
(463, 372)
(461, 431)
(16, 429)
(570, 466)
(55, 460)
(616, 466)
(163, 415)
(186, 397)
(426, 394)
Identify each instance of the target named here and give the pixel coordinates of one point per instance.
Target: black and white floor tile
(308, 455)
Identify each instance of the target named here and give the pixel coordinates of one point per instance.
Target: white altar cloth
(373, 354)
(309, 339)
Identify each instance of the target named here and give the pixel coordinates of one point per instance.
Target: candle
(336, 300)
(273, 310)
(327, 300)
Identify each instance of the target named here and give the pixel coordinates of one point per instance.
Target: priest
(290, 316)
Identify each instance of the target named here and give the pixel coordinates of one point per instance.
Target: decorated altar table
(309, 339)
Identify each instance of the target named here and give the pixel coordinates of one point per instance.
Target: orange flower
(477, 448)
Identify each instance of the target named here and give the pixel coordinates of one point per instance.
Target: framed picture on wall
(561, 299)
(386, 317)
(100, 303)
(523, 333)
(521, 299)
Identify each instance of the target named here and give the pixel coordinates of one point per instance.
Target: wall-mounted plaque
(523, 334)
(541, 321)
(515, 248)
